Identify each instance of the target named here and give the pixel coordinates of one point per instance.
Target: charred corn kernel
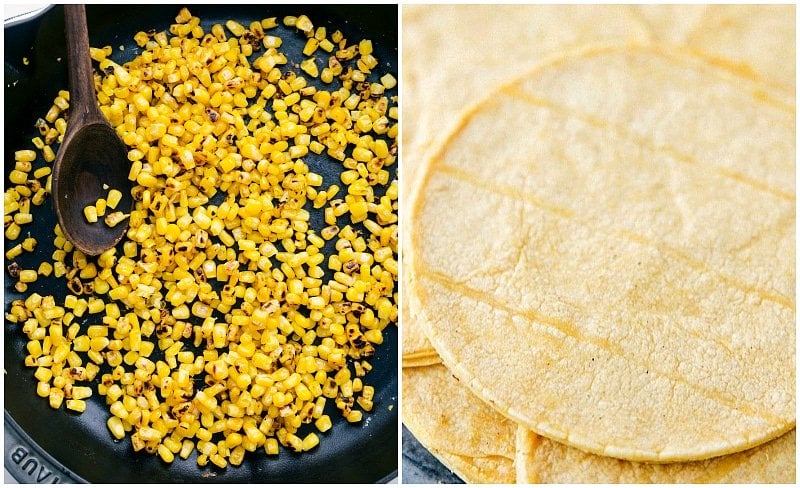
(114, 218)
(354, 416)
(24, 166)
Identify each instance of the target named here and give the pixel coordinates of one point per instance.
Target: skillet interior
(361, 453)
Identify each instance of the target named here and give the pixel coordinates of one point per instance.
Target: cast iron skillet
(361, 453)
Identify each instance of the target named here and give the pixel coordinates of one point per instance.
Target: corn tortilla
(717, 31)
(604, 251)
(671, 24)
(474, 441)
(756, 40)
(469, 49)
(540, 460)
(423, 358)
(416, 350)
(444, 36)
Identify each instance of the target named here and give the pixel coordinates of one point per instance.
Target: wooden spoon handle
(83, 101)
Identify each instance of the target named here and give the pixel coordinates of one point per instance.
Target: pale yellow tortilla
(740, 37)
(455, 54)
(471, 439)
(420, 359)
(475, 442)
(458, 52)
(605, 251)
(415, 347)
(755, 40)
(671, 24)
(541, 460)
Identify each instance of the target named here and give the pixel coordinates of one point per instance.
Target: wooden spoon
(92, 159)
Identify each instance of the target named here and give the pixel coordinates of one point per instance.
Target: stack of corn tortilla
(599, 253)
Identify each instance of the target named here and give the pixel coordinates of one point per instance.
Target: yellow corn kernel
(28, 276)
(29, 244)
(165, 454)
(90, 212)
(310, 441)
(49, 156)
(388, 81)
(42, 172)
(310, 67)
(218, 460)
(354, 416)
(23, 218)
(323, 423)
(113, 198)
(236, 28)
(76, 405)
(116, 427)
(81, 392)
(100, 206)
(18, 177)
(56, 397)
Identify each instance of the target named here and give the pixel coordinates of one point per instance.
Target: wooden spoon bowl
(92, 159)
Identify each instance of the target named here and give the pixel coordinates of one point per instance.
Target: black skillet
(79, 447)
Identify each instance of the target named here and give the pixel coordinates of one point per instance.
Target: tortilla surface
(540, 460)
(455, 71)
(416, 349)
(447, 81)
(470, 438)
(671, 23)
(475, 442)
(757, 41)
(604, 251)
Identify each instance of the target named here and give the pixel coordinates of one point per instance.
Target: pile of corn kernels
(225, 321)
